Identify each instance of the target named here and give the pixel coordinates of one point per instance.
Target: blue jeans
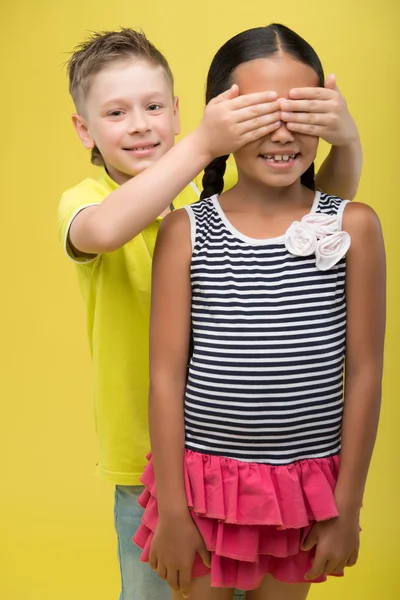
(139, 581)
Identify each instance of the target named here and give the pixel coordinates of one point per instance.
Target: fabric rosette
(321, 224)
(331, 249)
(300, 240)
(321, 235)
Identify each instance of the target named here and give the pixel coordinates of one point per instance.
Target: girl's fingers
(153, 562)
(352, 559)
(172, 579)
(185, 576)
(318, 567)
(161, 571)
(334, 566)
(339, 568)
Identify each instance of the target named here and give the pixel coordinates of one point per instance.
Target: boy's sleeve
(71, 204)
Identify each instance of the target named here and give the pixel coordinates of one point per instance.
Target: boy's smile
(130, 115)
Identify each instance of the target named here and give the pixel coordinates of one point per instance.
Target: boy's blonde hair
(99, 51)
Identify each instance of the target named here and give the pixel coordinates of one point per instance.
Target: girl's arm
(177, 539)
(337, 540)
(366, 307)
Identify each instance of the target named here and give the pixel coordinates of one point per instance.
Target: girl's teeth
(280, 157)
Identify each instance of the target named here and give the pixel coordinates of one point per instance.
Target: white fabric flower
(330, 249)
(300, 240)
(321, 224)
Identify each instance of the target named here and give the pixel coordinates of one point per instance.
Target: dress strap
(341, 211)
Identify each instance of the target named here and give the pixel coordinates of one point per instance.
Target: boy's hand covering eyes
(231, 121)
(321, 112)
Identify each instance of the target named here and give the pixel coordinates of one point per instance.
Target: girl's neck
(257, 196)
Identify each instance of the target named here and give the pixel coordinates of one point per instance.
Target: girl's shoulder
(360, 219)
(362, 223)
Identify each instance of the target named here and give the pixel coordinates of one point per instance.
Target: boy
(127, 116)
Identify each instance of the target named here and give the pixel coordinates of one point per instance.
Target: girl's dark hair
(260, 42)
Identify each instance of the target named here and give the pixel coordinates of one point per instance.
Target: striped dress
(264, 396)
(266, 377)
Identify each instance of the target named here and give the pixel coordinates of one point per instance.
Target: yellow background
(56, 521)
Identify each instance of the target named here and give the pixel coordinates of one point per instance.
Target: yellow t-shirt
(116, 292)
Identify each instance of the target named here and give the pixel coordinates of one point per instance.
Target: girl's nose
(282, 135)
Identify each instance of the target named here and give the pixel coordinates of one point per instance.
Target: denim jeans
(139, 581)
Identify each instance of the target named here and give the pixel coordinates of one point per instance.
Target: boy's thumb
(330, 82)
(233, 92)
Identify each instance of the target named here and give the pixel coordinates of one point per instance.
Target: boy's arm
(229, 122)
(340, 172)
(323, 112)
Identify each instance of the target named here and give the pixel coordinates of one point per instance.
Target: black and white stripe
(265, 381)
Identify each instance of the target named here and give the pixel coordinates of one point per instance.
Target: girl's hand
(337, 543)
(321, 112)
(174, 546)
(231, 121)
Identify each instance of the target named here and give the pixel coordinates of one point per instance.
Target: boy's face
(130, 115)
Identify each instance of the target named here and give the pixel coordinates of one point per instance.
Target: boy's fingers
(306, 118)
(251, 99)
(314, 93)
(305, 106)
(233, 92)
(306, 129)
(267, 110)
(330, 83)
(255, 128)
(257, 133)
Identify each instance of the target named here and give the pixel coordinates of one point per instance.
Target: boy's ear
(83, 131)
(177, 120)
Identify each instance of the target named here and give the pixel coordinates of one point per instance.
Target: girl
(259, 457)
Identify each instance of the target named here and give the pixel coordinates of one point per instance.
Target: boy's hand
(231, 121)
(174, 546)
(337, 543)
(321, 112)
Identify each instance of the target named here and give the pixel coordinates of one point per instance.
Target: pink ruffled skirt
(253, 517)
